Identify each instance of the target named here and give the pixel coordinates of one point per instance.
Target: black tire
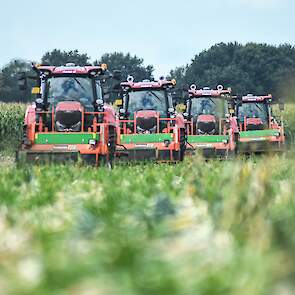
(182, 139)
(112, 145)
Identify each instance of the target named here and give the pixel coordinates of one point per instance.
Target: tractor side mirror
(185, 87)
(117, 75)
(22, 81)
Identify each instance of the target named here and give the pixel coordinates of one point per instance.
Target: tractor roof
(253, 98)
(206, 91)
(69, 69)
(146, 84)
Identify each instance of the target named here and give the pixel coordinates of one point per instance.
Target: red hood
(254, 121)
(206, 118)
(69, 106)
(147, 114)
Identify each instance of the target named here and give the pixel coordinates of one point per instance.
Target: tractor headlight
(122, 114)
(92, 141)
(225, 141)
(39, 104)
(59, 127)
(166, 142)
(139, 129)
(277, 134)
(99, 102)
(153, 130)
(76, 127)
(47, 73)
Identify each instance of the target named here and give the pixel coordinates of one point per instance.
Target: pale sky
(165, 33)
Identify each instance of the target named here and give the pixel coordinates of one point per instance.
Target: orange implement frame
(150, 141)
(99, 131)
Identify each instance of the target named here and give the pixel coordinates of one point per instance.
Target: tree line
(251, 68)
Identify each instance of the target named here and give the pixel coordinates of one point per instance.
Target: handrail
(190, 126)
(159, 119)
(94, 125)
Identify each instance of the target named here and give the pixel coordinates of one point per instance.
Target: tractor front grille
(68, 120)
(206, 127)
(146, 123)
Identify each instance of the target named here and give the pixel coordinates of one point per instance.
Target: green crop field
(215, 227)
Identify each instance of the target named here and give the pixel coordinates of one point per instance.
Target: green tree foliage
(8, 81)
(255, 68)
(57, 57)
(127, 64)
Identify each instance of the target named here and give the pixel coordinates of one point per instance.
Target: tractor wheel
(112, 144)
(25, 139)
(105, 161)
(182, 140)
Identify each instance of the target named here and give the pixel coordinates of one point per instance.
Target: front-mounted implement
(150, 128)
(259, 130)
(69, 119)
(211, 127)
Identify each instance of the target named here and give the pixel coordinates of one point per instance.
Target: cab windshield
(147, 100)
(70, 89)
(253, 110)
(208, 106)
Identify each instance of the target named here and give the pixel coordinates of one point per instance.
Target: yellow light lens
(36, 90)
(180, 108)
(118, 102)
(173, 82)
(104, 66)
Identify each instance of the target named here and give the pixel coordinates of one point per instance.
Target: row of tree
(255, 68)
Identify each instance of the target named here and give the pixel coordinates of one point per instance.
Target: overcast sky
(165, 33)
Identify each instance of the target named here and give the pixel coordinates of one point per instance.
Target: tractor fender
(234, 124)
(30, 115)
(110, 114)
(30, 122)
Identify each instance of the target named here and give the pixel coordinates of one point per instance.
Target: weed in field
(194, 228)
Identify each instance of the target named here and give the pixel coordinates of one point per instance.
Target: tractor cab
(209, 121)
(147, 102)
(254, 112)
(259, 130)
(69, 91)
(149, 122)
(69, 114)
(207, 109)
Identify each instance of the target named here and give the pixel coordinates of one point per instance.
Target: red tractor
(69, 119)
(150, 128)
(259, 130)
(211, 128)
